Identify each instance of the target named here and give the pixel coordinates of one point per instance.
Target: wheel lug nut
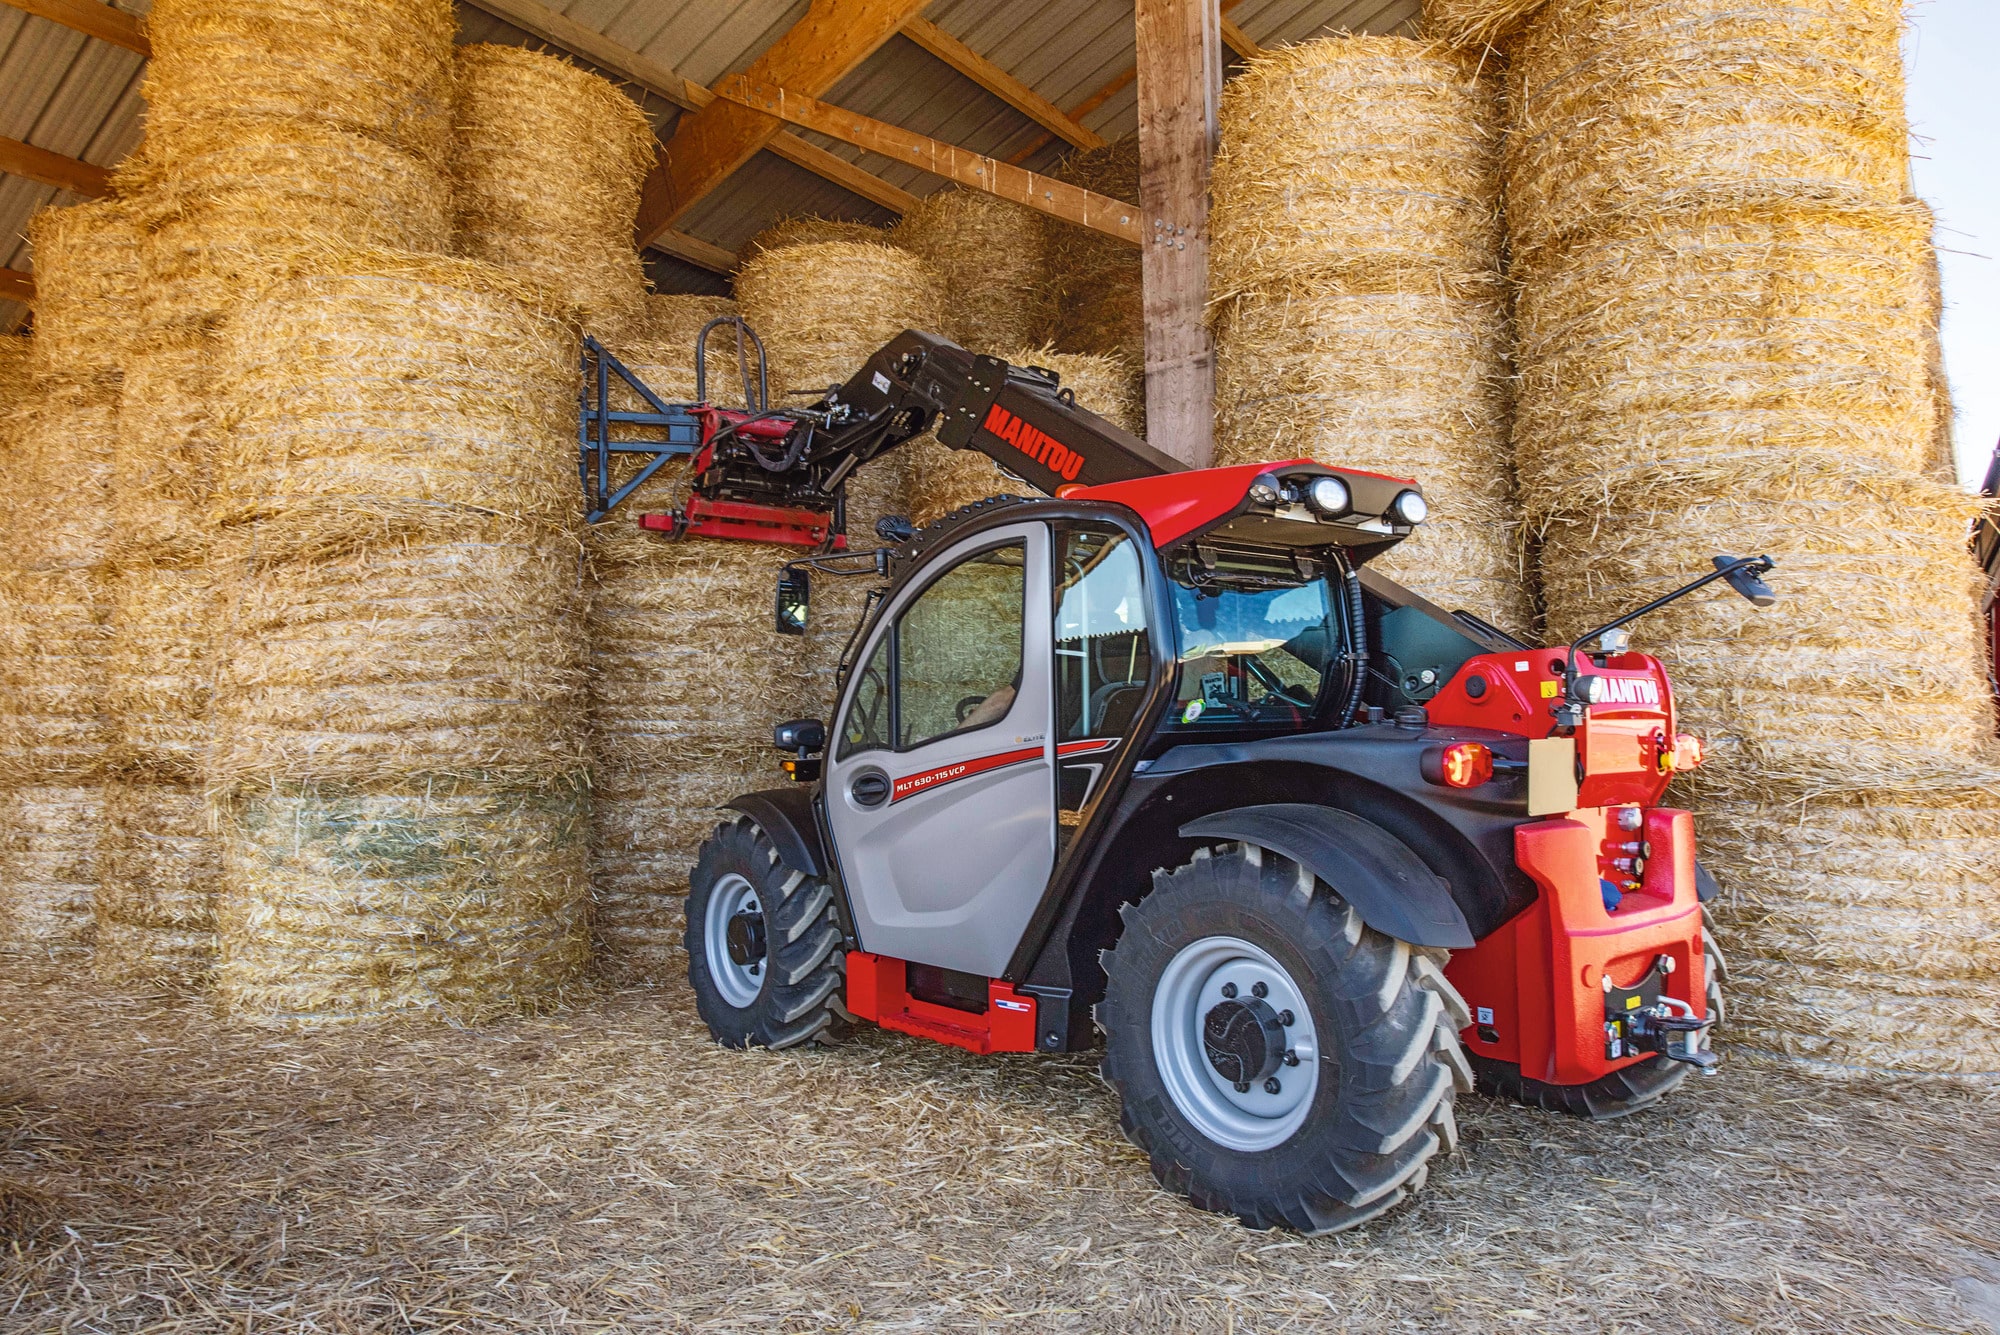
(1272, 1086)
(1259, 990)
(1287, 1018)
(1291, 1057)
(1229, 989)
(1242, 1086)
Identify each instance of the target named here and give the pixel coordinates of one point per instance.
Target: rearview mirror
(794, 600)
(1745, 578)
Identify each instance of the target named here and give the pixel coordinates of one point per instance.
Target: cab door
(940, 790)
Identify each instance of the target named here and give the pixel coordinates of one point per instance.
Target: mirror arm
(1763, 564)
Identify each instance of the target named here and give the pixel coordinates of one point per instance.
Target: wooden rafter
(17, 286)
(38, 164)
(999, 82)
(566, 34)
(695, 251)
(1113, 217)
(831, 39)
(1239, 41)
(90, 17)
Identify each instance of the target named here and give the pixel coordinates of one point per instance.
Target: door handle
(870, 788)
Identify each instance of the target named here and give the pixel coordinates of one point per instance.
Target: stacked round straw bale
(808, 229)
(546, 164)
(1361, 318)
(994, 255)
(687, 674)
(822, 310)
(1724, 321)
(16, 380)
(943, 479)
(55, 476)
(397, 767)
(1099, 302)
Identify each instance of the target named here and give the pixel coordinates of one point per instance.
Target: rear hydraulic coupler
(1642, 1018)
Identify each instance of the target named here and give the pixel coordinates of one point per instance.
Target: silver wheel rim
(739, 984)
(1189, 988)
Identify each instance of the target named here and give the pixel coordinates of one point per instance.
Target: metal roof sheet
(62, 91)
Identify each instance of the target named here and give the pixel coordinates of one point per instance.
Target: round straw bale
(160, 870)
(546, 166)
(395, 393)
(240, 197)
(48, 866)
(808, 229)
(56, 504)
(87, 284)
(339, 908)
(1476, 23)
(1872, 649)
(1367, 162)
(1413, 384)
(16, 380)
(1099, 305)
(1624, 107)
(1704, 338)
(457, 656)
(165, 623)
(999, 250)
(1859, 926)
(380, 68)
(943, 479)
(163, 467)
(53, 646)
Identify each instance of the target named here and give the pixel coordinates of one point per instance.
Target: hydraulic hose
(1357, 624)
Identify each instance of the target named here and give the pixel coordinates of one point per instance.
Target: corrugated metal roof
(62, 91)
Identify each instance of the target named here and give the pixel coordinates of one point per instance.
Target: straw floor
(607, 1167)
(547, 161)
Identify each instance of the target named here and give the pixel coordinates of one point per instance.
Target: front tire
(763, 947)
(1200, 982)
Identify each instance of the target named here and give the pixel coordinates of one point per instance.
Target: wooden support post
(1180, 81)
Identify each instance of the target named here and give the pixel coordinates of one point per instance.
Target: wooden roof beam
(38, 164)
(1114, 217)
(17, 286)
(702, 254)
(999, 83)
(819, 50)
(93, 19)
(1239, 41)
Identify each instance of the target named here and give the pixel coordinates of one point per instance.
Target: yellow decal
(1550, 688)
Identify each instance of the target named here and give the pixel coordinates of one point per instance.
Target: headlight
(1410, 507)
(1329, 496)
(1587, 689)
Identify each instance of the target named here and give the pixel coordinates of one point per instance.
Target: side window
(958, 647)
(1103, 656)
(867, 725)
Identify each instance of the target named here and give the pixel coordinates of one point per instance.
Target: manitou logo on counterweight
(1038, 445)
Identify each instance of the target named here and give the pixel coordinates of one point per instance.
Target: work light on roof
(1329, 496)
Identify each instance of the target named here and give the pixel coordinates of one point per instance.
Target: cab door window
(1104, 658)
(951, 661)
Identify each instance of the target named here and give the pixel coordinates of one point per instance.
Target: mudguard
(786, 815)
(1388, 885)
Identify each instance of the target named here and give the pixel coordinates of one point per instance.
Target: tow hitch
(1642, 1018)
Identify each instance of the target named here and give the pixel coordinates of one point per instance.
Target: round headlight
(1410, 507)
(1329, 496)
(1587, 689)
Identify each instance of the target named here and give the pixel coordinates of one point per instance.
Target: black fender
(1388, 885)
(786, 815)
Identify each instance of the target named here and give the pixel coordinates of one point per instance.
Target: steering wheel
(967, 705)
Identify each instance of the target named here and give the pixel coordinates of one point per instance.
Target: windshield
(1255, 633)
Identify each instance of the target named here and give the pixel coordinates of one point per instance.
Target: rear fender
(786, 815)
(1388, 885)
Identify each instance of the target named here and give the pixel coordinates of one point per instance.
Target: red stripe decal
(1087, 747)
(964, 769)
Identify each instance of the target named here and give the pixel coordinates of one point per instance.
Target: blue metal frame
(681, 429)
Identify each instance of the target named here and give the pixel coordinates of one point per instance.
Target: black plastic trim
(1388, 885)
(786, 815)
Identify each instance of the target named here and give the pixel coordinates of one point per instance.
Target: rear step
(878, 989)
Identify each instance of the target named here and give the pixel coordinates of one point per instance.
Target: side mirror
(794, 601)
(802, 735)
(1745, 578)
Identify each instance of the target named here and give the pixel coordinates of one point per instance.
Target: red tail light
(1460, 765)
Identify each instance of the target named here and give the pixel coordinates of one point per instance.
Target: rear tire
(778, 980)
(1629, 1089)
(1379, 1020)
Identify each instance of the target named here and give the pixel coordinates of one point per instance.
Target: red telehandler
(1154, 760)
